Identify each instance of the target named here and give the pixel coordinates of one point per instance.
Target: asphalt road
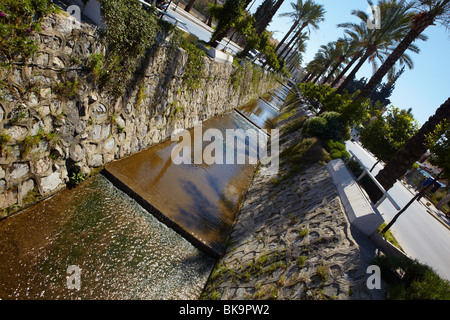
(420, 234)
(198, 28)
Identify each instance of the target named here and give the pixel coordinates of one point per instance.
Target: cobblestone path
(292, 239)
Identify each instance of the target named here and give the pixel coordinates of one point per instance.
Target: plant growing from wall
(193, 72)
(237, 75)
(95, 65)
(67, 89)
(130, 31)
(18, 20)
(30, 142)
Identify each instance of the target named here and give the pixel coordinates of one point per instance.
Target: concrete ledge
(386, 246)
(357, 207)
(219, 56)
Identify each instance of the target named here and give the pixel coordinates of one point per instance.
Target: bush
(130, 31)
(337, 150)
(18, 20)
(315, 126)
(352, 109)
(414, 281)
(327, 126)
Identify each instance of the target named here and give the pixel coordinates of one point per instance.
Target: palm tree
(268, 17)
(430, 11)
(394, 25)
(301, 39)
(227, 15)
(440, 152)
(294, 60)
(301, 11)
(413, 149)
(307, 15)
(312, 68)
(329, 54)
(344, 47)
(261, 25)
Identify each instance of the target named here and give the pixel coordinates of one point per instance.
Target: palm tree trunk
(265, 22)
(299, 31)
(210, 18)
(189, 5)
(353, 73)
(343, 72)
(286, 55)
(375, 164)
(287, 34)
(262, 26)
(324, 69)
(334, 69)
(413, 149)
(412, 35)
(307, 77)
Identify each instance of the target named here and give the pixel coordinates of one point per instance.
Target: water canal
(121, 250)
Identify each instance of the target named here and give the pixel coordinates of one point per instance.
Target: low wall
(46, 137)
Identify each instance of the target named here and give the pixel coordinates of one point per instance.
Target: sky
(423, 88)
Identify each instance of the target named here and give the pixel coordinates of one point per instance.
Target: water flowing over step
(199, 201)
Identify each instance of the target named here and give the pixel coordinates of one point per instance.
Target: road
(198, 28)
(420, 234)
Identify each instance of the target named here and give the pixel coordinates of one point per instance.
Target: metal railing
(368, 173)
(161, 12)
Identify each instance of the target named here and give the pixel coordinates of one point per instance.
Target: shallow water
(202, 199)
(122, 250)
(260, 112)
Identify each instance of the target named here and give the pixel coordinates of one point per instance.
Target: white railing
(368, 173)
(162, 12)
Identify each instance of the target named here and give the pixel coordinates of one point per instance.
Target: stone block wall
(47, 134)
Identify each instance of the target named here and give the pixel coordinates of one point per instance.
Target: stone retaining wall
(46, 136)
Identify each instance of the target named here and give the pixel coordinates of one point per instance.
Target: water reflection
(260, 113)
(201, 198)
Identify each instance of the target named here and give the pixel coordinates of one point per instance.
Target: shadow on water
(198, 200)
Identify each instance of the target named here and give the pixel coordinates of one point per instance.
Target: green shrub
(327, 126)
(352, 109)
(18, 20)
(193, 71)
(314, 126)
(408, 279)
(95, 64)
(336, 150)
(130, 31)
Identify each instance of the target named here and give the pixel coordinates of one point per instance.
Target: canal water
(118, 249)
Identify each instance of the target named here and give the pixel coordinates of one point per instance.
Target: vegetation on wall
(18, 19)
(129, 33)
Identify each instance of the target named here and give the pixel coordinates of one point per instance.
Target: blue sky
(423, 88)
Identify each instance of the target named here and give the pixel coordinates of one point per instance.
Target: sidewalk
(292, 239)
(200, 29)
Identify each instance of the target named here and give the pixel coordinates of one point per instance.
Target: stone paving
(292, 239)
